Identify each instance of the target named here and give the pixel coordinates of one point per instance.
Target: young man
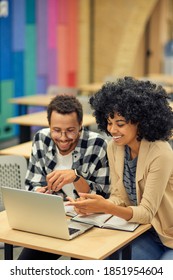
(66, 157)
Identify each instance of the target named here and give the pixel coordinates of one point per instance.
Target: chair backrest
(55, 90)
(110, 78)
(84, 100)
(12, 173)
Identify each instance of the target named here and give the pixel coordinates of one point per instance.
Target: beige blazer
(154, 185)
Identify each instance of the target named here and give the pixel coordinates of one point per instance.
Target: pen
(60, 193)
(76, 193)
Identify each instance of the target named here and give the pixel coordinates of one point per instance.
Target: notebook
(40, 213)
(106, 221)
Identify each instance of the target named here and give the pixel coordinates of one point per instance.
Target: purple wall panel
(18, 25)
(41, 84)
(52, 41)
(41, 37)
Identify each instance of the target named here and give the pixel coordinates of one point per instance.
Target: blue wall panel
(18, 73)
(6, 56)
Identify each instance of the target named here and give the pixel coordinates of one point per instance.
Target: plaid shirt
(89, 158)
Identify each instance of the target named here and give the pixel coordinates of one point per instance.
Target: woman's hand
(72, 200)
(89, 203)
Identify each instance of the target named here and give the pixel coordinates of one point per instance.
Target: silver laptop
(40, 213)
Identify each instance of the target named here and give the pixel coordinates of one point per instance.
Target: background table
(23, 149)
(39, 119)
(88, 89)
(33, 100)
(165, 79)
(38, 100)
(85, 89)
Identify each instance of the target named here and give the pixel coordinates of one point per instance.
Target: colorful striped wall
(38, 47)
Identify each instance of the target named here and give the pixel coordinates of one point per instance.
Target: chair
(84, 100)
(110, 78)
(12, 174)
(54, 90)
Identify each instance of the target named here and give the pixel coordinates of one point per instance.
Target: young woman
(138, 117)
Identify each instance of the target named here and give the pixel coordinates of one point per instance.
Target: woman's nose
(113, 129)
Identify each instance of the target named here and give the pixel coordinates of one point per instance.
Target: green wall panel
(30, 11)
(6, 109)
(30, 61)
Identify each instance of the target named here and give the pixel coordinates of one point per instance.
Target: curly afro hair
(139, 102)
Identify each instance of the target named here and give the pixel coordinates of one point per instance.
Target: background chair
(12, 174)
(110, 78)
(84, 100)
(54, 90)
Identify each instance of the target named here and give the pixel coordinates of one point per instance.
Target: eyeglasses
(69, 134)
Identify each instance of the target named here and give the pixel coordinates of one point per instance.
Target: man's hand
(58, 178)
(41, 190)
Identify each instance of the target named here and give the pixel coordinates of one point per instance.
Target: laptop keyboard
(73, 230)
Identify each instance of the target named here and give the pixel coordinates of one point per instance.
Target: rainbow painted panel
(38, 45)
